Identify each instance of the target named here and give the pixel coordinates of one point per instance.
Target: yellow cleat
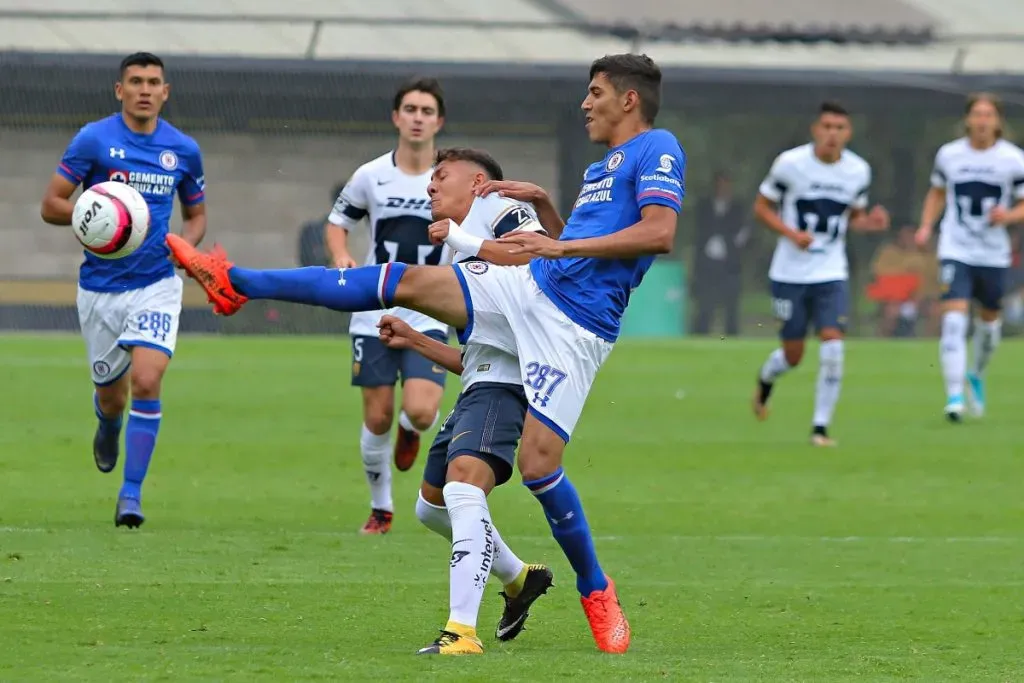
(451, 643)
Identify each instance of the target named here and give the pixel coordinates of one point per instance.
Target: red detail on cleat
(379, 523)
(608, 623)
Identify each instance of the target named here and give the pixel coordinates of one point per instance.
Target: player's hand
(394, 332)
(527, 242)
(803, 240)
(513, 189)
(923, 236)
(344, 260)
(998, 216)
(878, 218)
(438, 232)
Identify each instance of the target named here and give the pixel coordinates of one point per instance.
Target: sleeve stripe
(198, 195)
(663, 194)
(354, 212)
(67, 171)
(1018, 182)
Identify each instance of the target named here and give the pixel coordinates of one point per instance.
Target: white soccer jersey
(817, 198)
(491, 217)
(976, 181)
(397, 208)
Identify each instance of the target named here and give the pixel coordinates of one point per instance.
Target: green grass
(741, 553)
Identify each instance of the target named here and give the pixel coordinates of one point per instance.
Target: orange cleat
(607, 620)
(379, 523)
(210, 270)
(407, 447)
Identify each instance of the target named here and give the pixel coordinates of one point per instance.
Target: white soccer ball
(110, 219)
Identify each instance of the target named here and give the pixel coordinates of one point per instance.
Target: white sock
(507, 566)
(376, 451)
(472, 550)
(953, 351)
(986, 339)
(407, 424)
(775, 366)
(830, 381)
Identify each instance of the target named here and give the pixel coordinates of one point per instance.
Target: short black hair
(474, 156)
(833, 107)
(141, 59)
(431, 86)
(633, 72)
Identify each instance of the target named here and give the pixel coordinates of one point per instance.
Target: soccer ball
(110, 219)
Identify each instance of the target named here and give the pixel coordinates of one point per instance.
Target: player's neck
(827, 158)
(414, 160)
(627, 132)
(146, 127)
(982, 144)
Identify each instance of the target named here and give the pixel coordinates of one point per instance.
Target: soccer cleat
(820, 437)
(407, 447)
(129, 513)
(451, 643)
(538, 579)
(607, 621)
(955, 408)
(975, 394)
(379, 523)
(105, 447)
(760, 402)
(210, 270)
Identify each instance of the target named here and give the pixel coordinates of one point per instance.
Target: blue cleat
(129, 513)
(976, 394)
(955, 408)
(105, 448)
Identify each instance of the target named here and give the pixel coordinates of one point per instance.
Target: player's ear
(440, 122)
(394, 117)
(631, 101)
(119, 91)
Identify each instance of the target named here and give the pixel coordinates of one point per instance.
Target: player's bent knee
(989, 315)
(831, 334)
(469, 469)
(113, 398)
(541, 451)
(432, 494)
(794, 352)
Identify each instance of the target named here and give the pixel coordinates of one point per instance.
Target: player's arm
(862, 220)
(193, 228)
(74, 168)
(521, 191)
(395, 333)
(653, 234)
(192, 196)
(934, 203)
(1003, 217)
(514, 219)
(766, 204)
(349, 208)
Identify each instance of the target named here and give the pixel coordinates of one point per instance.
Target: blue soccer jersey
(593, 293)
(160, 165)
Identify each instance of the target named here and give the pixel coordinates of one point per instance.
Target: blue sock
(569, 526)
(107, 424)
(140, 440)
(368, 288)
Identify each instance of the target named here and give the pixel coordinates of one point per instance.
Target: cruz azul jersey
(593, 293)
(397, 207)
(976, 181)
(161, 165)
(491, 217)
(816, 198)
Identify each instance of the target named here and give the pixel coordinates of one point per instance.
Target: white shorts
(113, 323)
(558, 359)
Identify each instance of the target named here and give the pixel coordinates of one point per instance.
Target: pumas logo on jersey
(615, 160)
(118, 176)
(169, 160)
(665, 163)
(476, 267)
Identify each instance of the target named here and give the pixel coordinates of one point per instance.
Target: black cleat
(105, 447)
(760, 401)
(129, 513)
(538, 579)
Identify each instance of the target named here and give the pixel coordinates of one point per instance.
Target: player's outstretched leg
(987, 335)
(106, 442)
(953, 356)
(830, 380)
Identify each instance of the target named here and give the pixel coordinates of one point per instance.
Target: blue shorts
(986, 284)
(486, 422)
(375, 365)
(796, 306)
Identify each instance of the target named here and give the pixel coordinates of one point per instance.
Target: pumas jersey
(397, 208)
(491, 217)
(816, 198)
(976, 181)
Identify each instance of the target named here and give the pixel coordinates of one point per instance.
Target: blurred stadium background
(288, 99)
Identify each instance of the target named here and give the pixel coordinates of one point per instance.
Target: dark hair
(431, 86)
(633, 72)
(141, 59)
(474, 156)
(991, 98)
(833, 107)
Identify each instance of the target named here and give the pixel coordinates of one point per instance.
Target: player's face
(451, 189)
(604, 108)
(983, 121)
(831, 132)
(142, 91)
(417, 118)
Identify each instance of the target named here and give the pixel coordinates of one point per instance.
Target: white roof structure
(531, 31)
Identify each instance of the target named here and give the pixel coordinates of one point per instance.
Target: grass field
(741, 553)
